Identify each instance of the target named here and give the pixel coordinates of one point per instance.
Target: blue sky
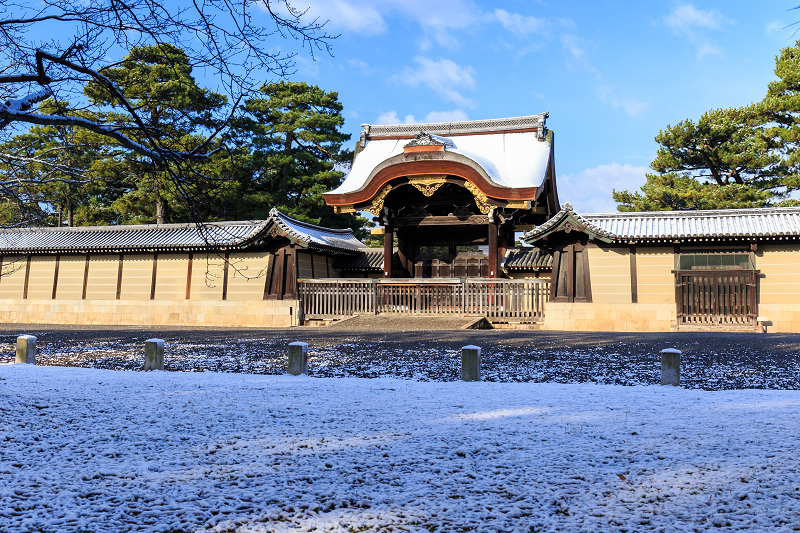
(611, 73)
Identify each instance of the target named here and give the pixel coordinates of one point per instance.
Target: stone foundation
(260, 313)
(563, 316)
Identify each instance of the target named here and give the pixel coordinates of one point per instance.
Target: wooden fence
(716, 297)
(495, 298)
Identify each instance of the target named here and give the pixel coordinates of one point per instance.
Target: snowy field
(709, 361)
(86, 449)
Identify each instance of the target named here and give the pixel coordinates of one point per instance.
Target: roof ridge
(461, 126)
(131, 227)
(696, 213)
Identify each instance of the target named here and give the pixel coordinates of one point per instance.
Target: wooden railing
(716, 297)
(496, 298)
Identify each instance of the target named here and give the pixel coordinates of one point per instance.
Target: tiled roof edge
(700, 213)
(449, 128)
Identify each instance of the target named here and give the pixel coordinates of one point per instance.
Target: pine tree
(725, 160)
(158, 82)
(295, 130)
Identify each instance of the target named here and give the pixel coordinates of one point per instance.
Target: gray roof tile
(370, 259)
(685, 225)
(527, 258)
(174, 237)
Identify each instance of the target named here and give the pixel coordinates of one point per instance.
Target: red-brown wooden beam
(413, 168)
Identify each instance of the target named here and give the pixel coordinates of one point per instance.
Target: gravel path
(711, 361)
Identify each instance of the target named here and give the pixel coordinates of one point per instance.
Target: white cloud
(686, 18)
(456, 115)
(578, 58)
(695, 24)
(590, 190)
(391, 117)
(775, 27)
(577, 55)
(367, 17)
(633, 107)
(519, 25)
(357, 16)
(444, 76)
(358, 64)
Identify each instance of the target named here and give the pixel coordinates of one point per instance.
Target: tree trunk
(70, 215)
(284, 185)
(157, 194)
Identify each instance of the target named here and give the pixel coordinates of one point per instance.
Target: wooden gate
(724, 297)
(514, 299)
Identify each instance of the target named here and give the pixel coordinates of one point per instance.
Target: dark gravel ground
(711, 361)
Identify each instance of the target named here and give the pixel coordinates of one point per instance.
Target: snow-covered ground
(101, 450)
(713, 362)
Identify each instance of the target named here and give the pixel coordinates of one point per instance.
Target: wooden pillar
(505, 241)
(292, 273)
(493, 250)
(388, 249)
(405, 251)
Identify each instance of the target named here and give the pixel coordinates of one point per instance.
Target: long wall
(642, 297)
(141, 289)
(779, 286)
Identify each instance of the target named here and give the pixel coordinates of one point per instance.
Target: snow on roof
(514, 159)
(339, 239)
(162, 237)
(677, 225)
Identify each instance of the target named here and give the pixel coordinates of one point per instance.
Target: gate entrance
(716, 297)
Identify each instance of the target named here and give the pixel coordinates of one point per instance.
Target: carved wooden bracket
(377, 201)
(481, 200)
(428, 184)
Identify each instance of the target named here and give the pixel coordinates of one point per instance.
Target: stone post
(671, 367)
(298, 358)
(470, 363)
(26, 349)
(154, 354)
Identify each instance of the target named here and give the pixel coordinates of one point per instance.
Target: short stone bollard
(26, 349)
(154, 354)
(298, 358)
(671, 367)
(470, 363)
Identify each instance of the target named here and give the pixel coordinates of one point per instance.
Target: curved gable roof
(507, 154)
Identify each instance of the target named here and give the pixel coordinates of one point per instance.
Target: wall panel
(207, 276)
(137, 276)
(654, 268)
(780, 273)
(12, 276)
(42, 274)
(70, 277)
(171, 276)
(304, 265)
(610, 273)
(247, 275)
(101, 284)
